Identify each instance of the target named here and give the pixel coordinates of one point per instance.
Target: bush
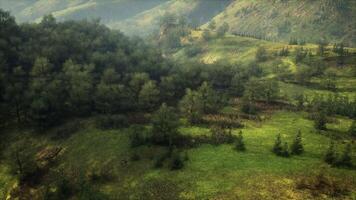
(323, 184)
(111, 121)
(22, 160)
(345, 160)
(220, 135)
(249, 108)
(158, 161)
(177, 161)
(320, 120)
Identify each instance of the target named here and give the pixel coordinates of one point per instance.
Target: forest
(192, 110)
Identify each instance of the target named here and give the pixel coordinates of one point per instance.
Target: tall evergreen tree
(277, 147)
(297, 146)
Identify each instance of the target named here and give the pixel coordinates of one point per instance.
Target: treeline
(53, 71)
(332, 104)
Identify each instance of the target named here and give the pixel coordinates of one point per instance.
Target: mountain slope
(197, 11)
(333, 20)
(131, 16)
(302, 19)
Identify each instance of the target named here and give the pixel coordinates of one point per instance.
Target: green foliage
(22, 159)
(191, 106)
(280, 149)
(261, 54)
(137, 136)
(346, 160)
(267, 90)
(79, 86)
(149, 96)
(206, 35)
(329, 81)
(193, 51)
(239, 143)
(320, 120)
(284, 52)
(165, 125)
(221, 135)
(297, 145)
(277, 147)
(223, 29)
(210, 100)
(177, 161)
(212, 25)
(330, 155)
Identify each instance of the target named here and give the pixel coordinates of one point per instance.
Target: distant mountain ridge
(332, 20)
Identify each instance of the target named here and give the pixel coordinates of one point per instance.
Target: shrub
(249, 108)
(177, 161)
(261, 54)
(345, 160)
(240, 145)
(320, 120)
(220, 135)
(323, 184)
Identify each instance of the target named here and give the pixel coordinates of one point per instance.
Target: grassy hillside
(304, 19)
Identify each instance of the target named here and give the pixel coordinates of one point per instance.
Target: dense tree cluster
(53, 70)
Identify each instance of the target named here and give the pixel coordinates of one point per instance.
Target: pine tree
(285, 150)
(330, 156)
(297, 146)
(345, 159)
(277, 148)
(240, 145)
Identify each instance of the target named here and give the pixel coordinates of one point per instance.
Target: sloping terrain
(304, 20)
(139, 17)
